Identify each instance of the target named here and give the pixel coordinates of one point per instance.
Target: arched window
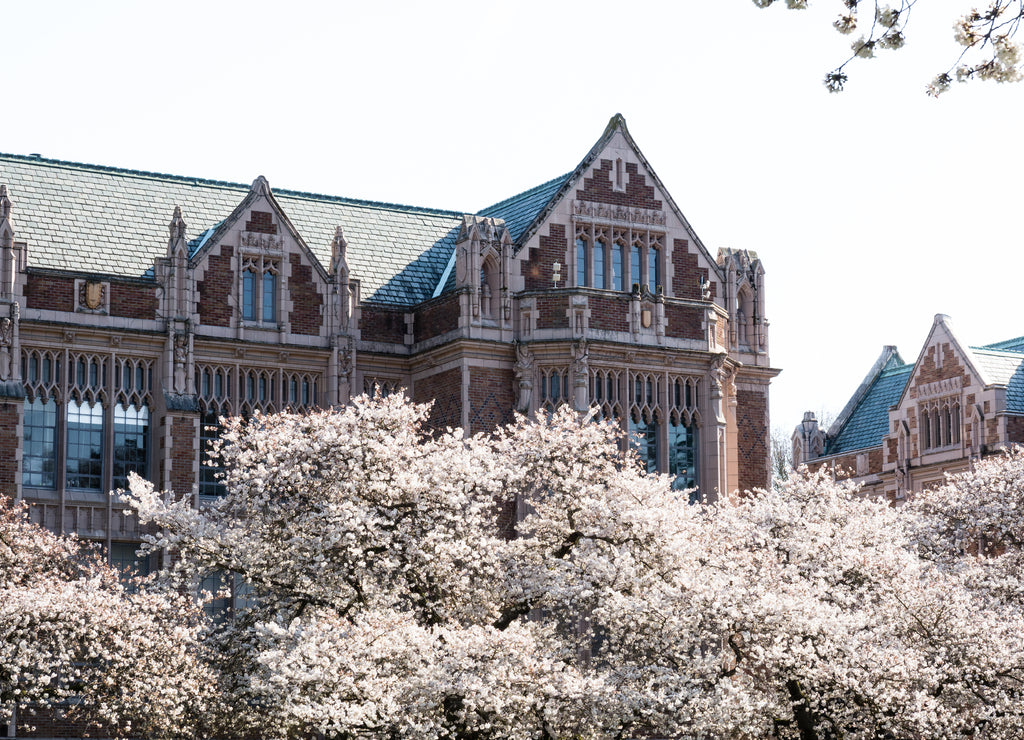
(924, 433)
(618, 265)
(249, 295)
(581, 263)
(599, 258)
(653, 269)
(131, 448)
(634, 266)
(269, 297)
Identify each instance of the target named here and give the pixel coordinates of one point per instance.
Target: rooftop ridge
(148, 175)
(1001, 346)
(529, 191)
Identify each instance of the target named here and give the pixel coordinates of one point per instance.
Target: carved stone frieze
(588, 211)
(254, 242)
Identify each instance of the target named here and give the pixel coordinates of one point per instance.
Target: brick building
(910, 423)
(137, 308)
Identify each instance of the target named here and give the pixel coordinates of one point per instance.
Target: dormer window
(259, 290)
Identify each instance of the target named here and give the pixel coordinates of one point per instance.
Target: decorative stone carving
(524, 371)
(6, 346)
(586, 210)
(580, 375)
(253, 242)
(180, 362)
(92, 296)
(339, 266)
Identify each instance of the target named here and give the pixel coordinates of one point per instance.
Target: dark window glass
(599, 257)
(249, 295)
(581, 263)
(39, 459)
(131, 443)
(634, 266)
(653, 269)
(269, 297)
(643, 438)
(85, 445)
(209, 470)
(682, 458)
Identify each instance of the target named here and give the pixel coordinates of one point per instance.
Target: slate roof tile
(869, 422)
(111, 221)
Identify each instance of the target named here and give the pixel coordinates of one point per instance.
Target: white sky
(872, 210)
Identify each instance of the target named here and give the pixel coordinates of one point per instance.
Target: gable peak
(260, 186)
(617, 123)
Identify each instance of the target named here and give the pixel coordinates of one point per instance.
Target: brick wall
(598, 188)
(9, 412)
(445, 390)
(552, 312)
(752, 439)
(553, 248)
(50, 293)
(490, 398)
(380, 324)
(184, 432)
(687, 277)
(927, 371)
(875, 460)
(261, 222)
(685, 322)
(610, 313)
(133, 301)
(436, 317)
(217, 285)
(305, 317)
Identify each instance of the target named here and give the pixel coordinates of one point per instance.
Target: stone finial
(177, 225)
(339, 248)
(260, 186)
(5, 204)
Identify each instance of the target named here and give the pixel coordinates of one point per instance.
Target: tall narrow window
(249, 295)
(210, 470)
(85, 445)
(269, 297)
(653, 269)
(599, 257)
(643, 439)
(924, 434)
(131, 447)
(259, 290)
(39, 459)
(634, 266)
(682, 458)
(618, 263)
(581, 263)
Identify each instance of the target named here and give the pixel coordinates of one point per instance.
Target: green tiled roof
(521, 210)
(109, 221)
(869, 422)
(1007, 345)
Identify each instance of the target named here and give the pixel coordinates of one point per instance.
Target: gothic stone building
(910, 423)
(137, 308)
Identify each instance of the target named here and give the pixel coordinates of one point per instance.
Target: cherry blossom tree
(990, 51)
(380, 586)
(75, 636)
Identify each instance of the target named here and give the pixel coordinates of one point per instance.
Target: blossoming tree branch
(990, 51)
